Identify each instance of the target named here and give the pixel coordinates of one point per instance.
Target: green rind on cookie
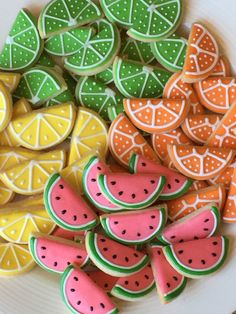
(114, 111)
(172, 295)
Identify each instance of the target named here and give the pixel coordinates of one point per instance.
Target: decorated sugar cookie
(40, 84)
(76, 288)
(89, 133)
(222, 68)
(6, 194)
(201, 224)
(135, 227)
(10, 79)
(217, 93)
(156, 115)
(202, 54)
(170, 52)
(29, 201)
(125, 139)
(170, 283)
(136, 80)
(44, 128)
(98, 53)
(192, 201)
(229, 212)
(160, 142)
(5, 106)
(23, 44)
(62, 15)
(104, 281)
(17, 224)
(68, 43)
(45, 60)
(106, 76)
(198, 258)
(176, 184)
(77, 236)
(200, 127)
(224, 134)
(198, 185)
(198, 162)
(134, 287)
(176, 88)
(55, 254)
(112, 257)
(97, 96)
(29, 177)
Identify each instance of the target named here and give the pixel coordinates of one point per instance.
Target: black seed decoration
(139, 234)
(103, 240)
(126, 282)
(169, 186)
(206, 220)
(190, 261)
(79, 302)
(152, 181)
(74, 217)
(99, 168)
(79, 256)
(43, 256)
(159, 252)
(116, 222)
(153, 216)
(85, 216)
(68, 263)
(123, 232)
(177, 180)
(137, 283)
(146, 276)
(151, 227)
(61, 186)
(72, 290)
(113, 182)
(63, 211)
(91, 308)
(102, 305)
(215, 243)
(175, 278)
(181, 241)
(99, 194)
(145, 191)
(133, 195)
(168, 284)
(43, 247)
(172, 237)
(214, 254)
(93, 180)
(205, 229)
(126, 259)
(181, 252)
(76, 278)
(55, 264)
(114, 256)
(135, 255)
(105, 249)
(144, 164)
(120, 193)
(203, 261)
(106, 285)
(196, 238)
(57, 198)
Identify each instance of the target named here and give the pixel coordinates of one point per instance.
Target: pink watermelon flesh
(57, 255)
(83, 295)
(103, 280)
(199, 226)
(118, 253)
(135, 226)
(68, 234)
(174, 180)
(94, 190)
(69, 206)
(166, 277)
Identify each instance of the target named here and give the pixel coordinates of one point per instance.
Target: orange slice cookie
(222, 68)
(192, 201)
(156, 115)
(224, 134)
(229, 213)
(217, 93)
(200, 162)
(200, 127)
(176, 88)
(202, 54)
(198, 185)
(125, 139)
(160, 142)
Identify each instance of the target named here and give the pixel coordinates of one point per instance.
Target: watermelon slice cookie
(222, 68)
(98, 52)
(176, 88)
(194, 200)
(137, 226)
(217, 93)
(136, 80)
(202, 54)
(201, 224)
(134, 287)
(23, 44)
(200, 127)
(170, 52)
(61, 15)
(55, 254)
(76, 236)
(229, 213)
(114, 258)
(176, 184)
(198, 258)
(125, 139)
(97, 96)
(200, 163)
(67, 208)
(156, 115)
(103, 280)
(76, 288)
(170, 283)
(131, 191)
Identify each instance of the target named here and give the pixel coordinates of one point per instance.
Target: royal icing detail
(222, 68)
(229, 212)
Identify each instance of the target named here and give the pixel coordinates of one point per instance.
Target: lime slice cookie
(135, 80)
(106, 76)
(98, 53)
(154, 20)
(23, 44)
(68, 43)
(39, 85)
(61, 15)
(45, 60)
(97, 96)
(171, 52)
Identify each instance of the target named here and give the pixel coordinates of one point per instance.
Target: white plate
(38, 292)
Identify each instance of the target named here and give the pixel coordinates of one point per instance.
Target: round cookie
(5, 106)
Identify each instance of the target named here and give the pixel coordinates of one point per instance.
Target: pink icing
(103, 280)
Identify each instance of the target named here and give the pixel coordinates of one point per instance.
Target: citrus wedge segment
(198, 185)
(89, 133)
(44, 128)
(5, 106)
(222, 68)
(6, 194)
(229, 213)
(29, 177)
(11, 80)
(23, 44)
(106, 76)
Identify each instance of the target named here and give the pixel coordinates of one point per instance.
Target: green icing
(122, 293)
(106, 76)
(46, 61)
(97, 96)
(135, 80)
(61, 15)
(114, 111)
(171, 52)
(99, 51)
(23, 45)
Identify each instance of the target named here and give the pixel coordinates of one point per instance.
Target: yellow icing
(5, 106)
(11, 80)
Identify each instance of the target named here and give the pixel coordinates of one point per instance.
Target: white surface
(38, 291)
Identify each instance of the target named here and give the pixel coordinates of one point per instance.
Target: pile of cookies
(120, 153)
